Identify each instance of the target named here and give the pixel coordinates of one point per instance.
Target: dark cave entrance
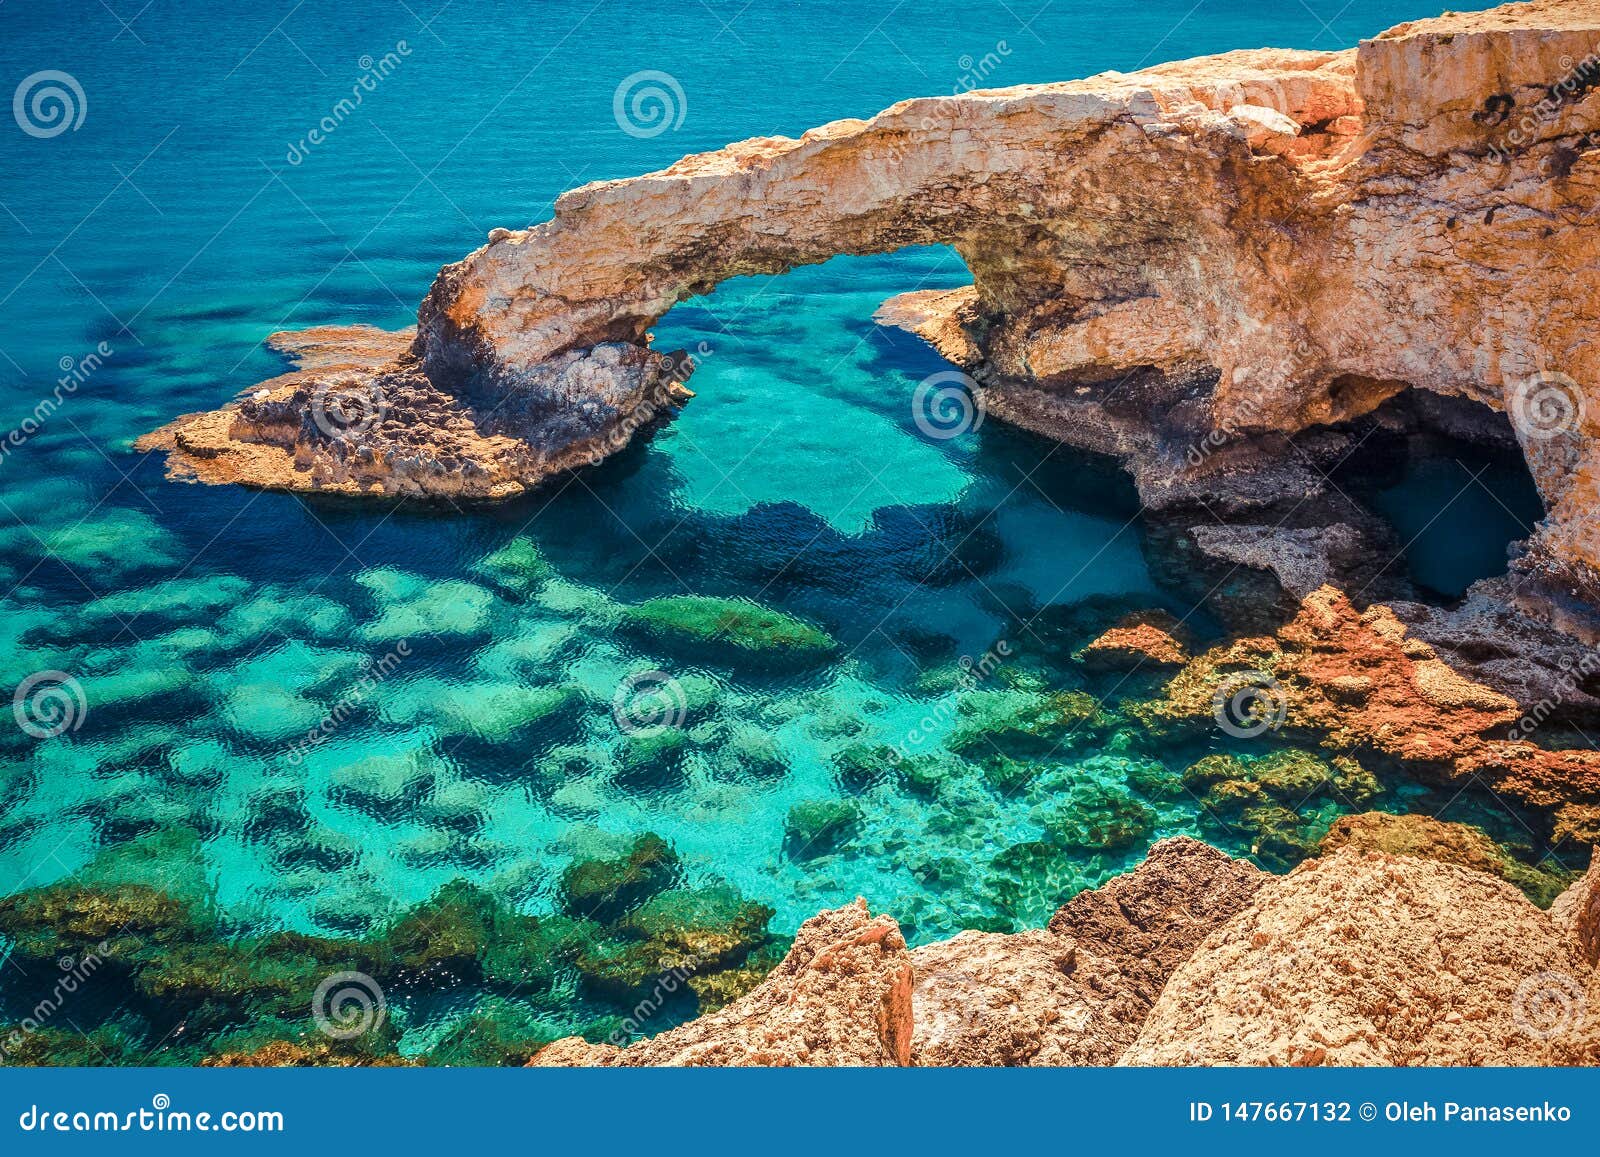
(1448, 477)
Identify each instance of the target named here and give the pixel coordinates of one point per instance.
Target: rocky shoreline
(1360, 957)
(1238, 276)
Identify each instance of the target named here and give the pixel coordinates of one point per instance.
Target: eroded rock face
(1361, 959)
(842, 996)
(1282, 238)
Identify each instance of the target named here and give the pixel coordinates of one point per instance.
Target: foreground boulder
(1368, 959)
(1359, 958)
(842, 996)
(1077, 992)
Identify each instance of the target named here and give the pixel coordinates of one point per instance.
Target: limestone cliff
(1280, 238)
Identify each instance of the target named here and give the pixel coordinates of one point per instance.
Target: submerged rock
(1449, 843)
(1094, 818)
(728, 627)
(1023, 724)
(1133, 645)
(1357, 681)
(820, 827)
(604, 890)
(695, 934)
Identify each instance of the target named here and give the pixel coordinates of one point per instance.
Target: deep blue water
(211, 628)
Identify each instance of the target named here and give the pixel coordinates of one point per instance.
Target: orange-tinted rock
(1353, 680)
(1131, 647)
(842, 996)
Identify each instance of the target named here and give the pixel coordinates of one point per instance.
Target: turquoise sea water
(474, 658)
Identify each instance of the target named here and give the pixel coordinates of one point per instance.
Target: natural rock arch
(1313, 230)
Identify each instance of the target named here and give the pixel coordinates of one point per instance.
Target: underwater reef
(188, 984)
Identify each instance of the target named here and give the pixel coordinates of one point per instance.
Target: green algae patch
(1097, 818)
(1283, 801)
(268, 713)
(606, 889)
(462, 934)
(862, 766)
(1021, 724)
(752, 752)
(498, 1034)
(517, 567)
(684, 933)
(820, 827)
(653, 760)
(247, 1000)
(29, 1046)
(728, 627)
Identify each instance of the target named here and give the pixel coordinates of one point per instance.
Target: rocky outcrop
(1357, 958)
(842, 996)
(1366, 960)
(1166, 264)
(1357, 681)
(1076, 992)
(1577, 913)
(1135, 643)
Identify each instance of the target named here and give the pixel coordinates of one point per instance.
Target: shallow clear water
(211, 629)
